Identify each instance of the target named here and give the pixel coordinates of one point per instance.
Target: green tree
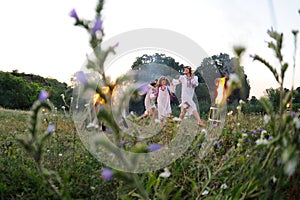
(224, 65)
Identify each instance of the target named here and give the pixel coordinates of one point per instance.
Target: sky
(38, 36)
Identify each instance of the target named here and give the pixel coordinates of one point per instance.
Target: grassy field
(233, 167)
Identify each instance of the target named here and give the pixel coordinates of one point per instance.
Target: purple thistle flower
(43, 95)
(199, 145)
(253, 131)
(80, 76)
(221, 140)
(107, 174)
(270, 137)
(154, 147)
(50, 128)
(97, 25)
(122, 143)
(73, 14)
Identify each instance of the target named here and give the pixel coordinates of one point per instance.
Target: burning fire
(220, 85)
(288, 105)
(97, 99)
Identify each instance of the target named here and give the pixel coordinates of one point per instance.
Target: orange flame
(288, 105)
(97, 99)
(220, 85)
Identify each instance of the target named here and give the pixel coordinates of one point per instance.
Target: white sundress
(163, 103)
(187, 91)
(150, 98)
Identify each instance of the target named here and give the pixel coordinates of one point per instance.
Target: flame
(97, 99)
(288, 105)
(105, 89)
(220, 85)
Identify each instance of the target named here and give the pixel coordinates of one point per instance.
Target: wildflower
(177, 119)
(154, 147)
(297, 123)
(241, 102)
(230, 113)
(267, 118)
(107, 174)
(221, 140)
(97, 25)
(205, 192)
(51, 128)
(93, 188)
(62, 96)
(60, 154)
(43, 95)
(270, 137)
(199, 145)
(204, 131)
(224, 186)
(261, 141)
(166, 173)
(73, 14)
(92, 125)
(239, 107)
(80, 76)
(293, 114)
(122, 143)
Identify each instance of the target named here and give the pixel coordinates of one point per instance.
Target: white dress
(150, 98)
(163, 103)
(187, 91)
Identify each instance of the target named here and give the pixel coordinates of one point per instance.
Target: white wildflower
(204, 131)
(205, 192)
(267, 118)
(224, 186)
(60, 154)
(239, 107)
(297, 122)
(92, 125)
(230, 112)
(177, 119)
(93, 188)
(261, 141)
(241, 102)
(166, 173)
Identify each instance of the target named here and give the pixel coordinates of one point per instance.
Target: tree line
(20, 90)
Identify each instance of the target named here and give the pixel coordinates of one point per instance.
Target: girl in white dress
(163, 99)
(150, 101)
(188, 81)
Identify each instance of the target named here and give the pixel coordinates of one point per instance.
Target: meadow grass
(225, 172)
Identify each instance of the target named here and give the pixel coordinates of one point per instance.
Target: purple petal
(73, 14)
(50, 128)
(43, 95)
(97, 25)
(154, 147)
(81, 77)
(122, 143)
(107, 174)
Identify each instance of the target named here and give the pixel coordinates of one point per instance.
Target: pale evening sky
(38, 36)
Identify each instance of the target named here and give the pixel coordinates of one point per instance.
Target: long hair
(161, 79)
